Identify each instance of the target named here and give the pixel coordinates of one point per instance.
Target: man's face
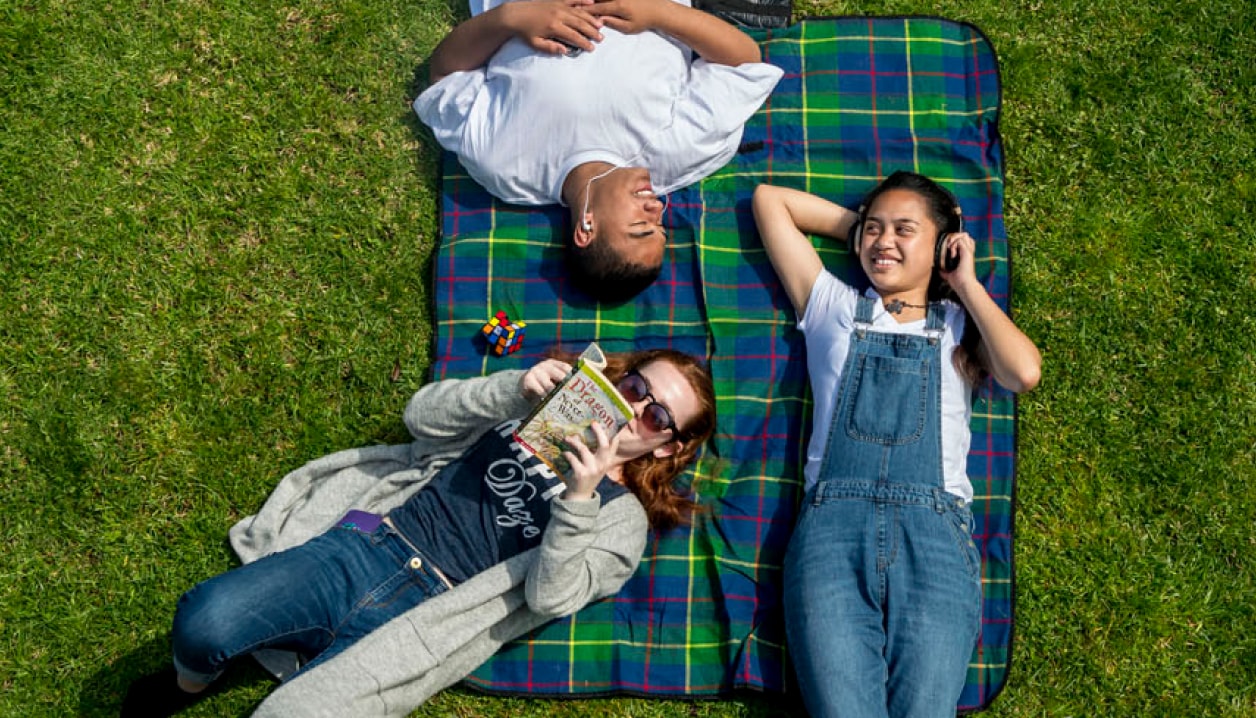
(628, 216)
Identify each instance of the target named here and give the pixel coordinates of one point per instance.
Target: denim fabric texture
(882, 578)
(317, 599)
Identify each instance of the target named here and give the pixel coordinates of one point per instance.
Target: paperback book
(583, 398)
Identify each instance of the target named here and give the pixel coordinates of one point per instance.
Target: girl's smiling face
(668, 387)
(896, 248)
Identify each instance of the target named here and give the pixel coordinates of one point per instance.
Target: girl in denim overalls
(882, 579)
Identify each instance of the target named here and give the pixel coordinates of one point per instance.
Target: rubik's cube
(504, 336)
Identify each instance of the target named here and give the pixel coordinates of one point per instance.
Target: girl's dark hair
(650, 478)
(944, 210)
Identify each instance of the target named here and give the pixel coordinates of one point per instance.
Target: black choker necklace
(897, 306)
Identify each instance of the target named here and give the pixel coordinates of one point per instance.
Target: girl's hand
(553, 26)
(1011, 357)
(542, 378)
(963, 245)
(588, 466)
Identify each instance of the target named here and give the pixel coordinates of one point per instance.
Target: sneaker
(158, 695)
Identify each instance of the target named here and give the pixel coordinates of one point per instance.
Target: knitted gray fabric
(588, 552)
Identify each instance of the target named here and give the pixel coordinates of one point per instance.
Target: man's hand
(631, 16)
(553, 26)
(712, 38)
(588, 466)
(545, 25)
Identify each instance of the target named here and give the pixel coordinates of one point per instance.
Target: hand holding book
(541, 379)
(576, 399)
(588, 465)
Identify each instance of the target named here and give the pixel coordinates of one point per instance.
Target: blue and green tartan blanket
(860, 98)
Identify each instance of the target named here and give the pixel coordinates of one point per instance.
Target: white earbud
(585, 224)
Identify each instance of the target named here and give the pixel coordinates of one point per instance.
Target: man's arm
(546, 25)
(712, 38)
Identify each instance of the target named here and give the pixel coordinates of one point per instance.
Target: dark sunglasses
(655, 416)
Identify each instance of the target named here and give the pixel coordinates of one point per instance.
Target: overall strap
(935, 322)
(863, 314)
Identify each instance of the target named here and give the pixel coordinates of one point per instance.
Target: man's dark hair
(605, 276)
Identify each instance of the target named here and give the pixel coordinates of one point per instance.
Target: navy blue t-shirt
(489, 504)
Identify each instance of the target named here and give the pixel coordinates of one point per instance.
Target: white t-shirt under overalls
(828, 324)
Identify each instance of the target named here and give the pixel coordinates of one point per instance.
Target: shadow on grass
(470, 699)
(103, 692)
(772, 705)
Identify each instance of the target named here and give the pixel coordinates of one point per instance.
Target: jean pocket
(889, 399)
(961, 522)
(389, 591)
(804, 513)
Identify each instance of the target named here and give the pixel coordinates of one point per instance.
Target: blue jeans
(882, 602)
(316, 599)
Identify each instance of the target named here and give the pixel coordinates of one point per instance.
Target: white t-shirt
(526, 119)
(828, 324)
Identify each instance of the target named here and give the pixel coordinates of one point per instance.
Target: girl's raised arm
(1011, 357)
(785, 217)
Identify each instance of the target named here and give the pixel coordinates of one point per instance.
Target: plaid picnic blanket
(860, 98)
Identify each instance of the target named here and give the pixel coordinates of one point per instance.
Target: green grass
(216, 229)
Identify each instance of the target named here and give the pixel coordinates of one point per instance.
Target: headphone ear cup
(855, 238)
(947, 262)
(941, 259)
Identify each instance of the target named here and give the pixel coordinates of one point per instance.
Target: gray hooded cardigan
(588, 551)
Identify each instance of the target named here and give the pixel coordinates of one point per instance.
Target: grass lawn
(216, 228)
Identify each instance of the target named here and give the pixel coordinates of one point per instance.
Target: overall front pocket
(889, 399)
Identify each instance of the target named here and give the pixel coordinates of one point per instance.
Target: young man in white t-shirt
(601, 106)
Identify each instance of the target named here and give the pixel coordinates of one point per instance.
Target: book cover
(584, 397)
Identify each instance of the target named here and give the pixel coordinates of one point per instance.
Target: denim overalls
(882, 579)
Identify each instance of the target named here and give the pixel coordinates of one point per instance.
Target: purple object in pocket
(363, 521)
